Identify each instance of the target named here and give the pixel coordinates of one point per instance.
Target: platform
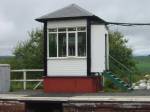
(134, 96)
(35, 101)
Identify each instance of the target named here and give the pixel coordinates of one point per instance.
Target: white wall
(66, 23)
(98, 48)
(67, 66)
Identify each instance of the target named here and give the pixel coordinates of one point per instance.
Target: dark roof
(71, 11)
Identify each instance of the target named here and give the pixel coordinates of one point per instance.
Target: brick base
(72, 84)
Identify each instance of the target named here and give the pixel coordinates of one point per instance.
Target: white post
(24, 79)
(106, 52)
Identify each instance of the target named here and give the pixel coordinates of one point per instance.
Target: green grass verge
(143, 64)
(17, 86)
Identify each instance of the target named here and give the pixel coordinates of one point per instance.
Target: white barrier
(4, 77)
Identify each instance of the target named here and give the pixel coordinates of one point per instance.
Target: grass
(17, 86)
(143, 67)
(143, 64)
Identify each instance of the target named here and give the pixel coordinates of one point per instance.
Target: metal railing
(126, 70)
(24, 80)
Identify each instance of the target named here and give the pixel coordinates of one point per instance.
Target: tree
(120, 58)
(29, 54)
(119, 50)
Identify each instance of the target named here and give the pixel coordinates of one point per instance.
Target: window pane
(81, 43)
(52, 30)
(62, 44)
(72, 29)
(71, 44)
(61, 29)
(81, 28)
(52, 45)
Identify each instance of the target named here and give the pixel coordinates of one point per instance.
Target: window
(61, 29)
(53, 30)
(81, 28)
(72, 29)
(64, 42)
(71, 44)
(52, 45)
(81, 44)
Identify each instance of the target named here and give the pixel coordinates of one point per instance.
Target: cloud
(6, 26)
(138, 38)
(139, 45)
(6, 50)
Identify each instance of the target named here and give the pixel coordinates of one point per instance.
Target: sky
(17, 18)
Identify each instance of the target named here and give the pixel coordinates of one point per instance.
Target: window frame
(67, 33)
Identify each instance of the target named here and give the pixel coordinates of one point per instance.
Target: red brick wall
(7, 106)
(11, 106)
(107, 107)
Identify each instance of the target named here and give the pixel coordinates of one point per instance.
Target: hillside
(143, 63)
(5, 59)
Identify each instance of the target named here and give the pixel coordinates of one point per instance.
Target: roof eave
(70, 18)
(99, 20)
(62, 18)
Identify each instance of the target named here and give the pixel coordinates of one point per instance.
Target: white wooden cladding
(67, 67)
(98, 48)
(66, 23)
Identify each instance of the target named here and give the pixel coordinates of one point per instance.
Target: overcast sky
(17, 18)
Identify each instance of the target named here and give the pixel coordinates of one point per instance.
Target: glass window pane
(52, 45)
(81, 43)
(62, 44)
(81, 28)
(52, 30)
(61, 29)
(72, 29)
(71, 44)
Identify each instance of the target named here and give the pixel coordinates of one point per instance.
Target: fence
(24, 80)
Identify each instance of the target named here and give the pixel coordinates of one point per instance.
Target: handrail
(28, 70)
(121, 64)
(118, 68)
